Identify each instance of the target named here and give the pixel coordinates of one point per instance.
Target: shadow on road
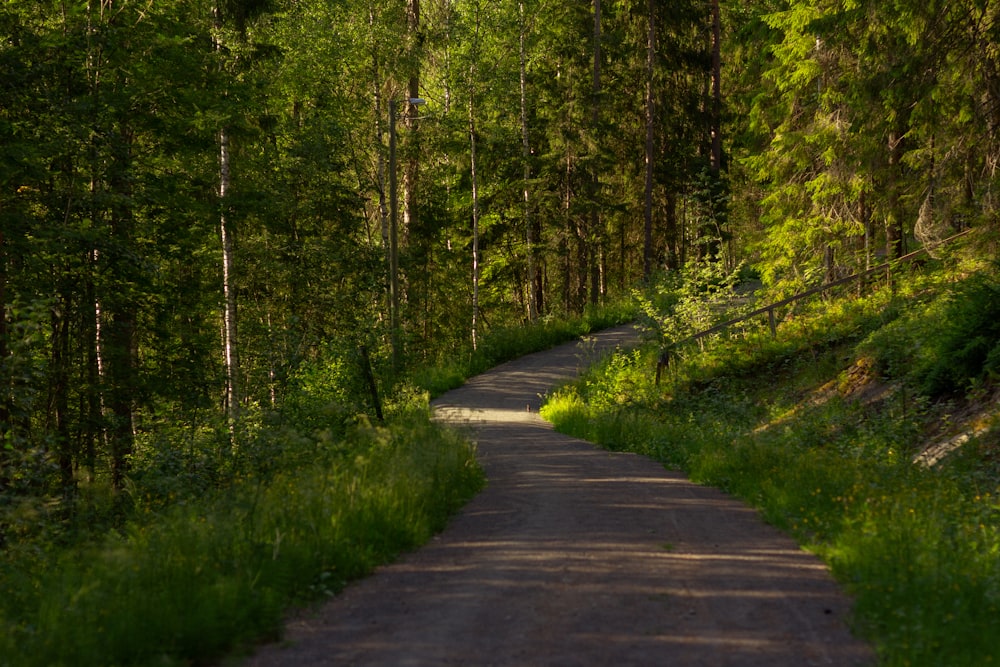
(577, 556)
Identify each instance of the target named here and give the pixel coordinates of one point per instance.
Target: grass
(203, 553)
(203, 578)
(505, 343)
(918, 548)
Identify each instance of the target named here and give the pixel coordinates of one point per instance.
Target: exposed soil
(577, 556)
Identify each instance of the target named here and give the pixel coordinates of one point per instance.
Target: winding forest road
(576, 556)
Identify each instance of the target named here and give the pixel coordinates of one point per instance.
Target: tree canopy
(194, 197)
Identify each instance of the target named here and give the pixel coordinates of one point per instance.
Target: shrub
(209, 575)
(967, 346)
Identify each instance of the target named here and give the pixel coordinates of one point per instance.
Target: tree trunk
(411, 170)
(59, 395)
(647, 246)
(568, 233)
(674, 259)
(229, 338)
(894, 233)
(379, 138)
(580, 235)
(475, 216)
(387, 203)
(121, 378)
(538, 287)
(592, 236)
(394, 296)
(230, 347)
(530, 238)
(709, 230)
(716, 115)
(122, 314)
(4, 379)
(94, 420)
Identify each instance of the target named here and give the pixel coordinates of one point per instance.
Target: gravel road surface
(579, 557)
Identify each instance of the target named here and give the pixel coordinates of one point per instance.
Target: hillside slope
(853, 431)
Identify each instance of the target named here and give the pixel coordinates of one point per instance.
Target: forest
(223, 219)
(196, 198)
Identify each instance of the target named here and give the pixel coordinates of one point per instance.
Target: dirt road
(575, 556)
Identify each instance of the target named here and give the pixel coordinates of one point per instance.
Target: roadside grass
(204, 577)
(778, 424)
(454, 366)
(204, 551)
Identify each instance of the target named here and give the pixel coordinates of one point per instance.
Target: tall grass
(918, 548)
(206, 549)
(205, 577)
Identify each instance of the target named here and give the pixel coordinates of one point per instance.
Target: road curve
(576, 556)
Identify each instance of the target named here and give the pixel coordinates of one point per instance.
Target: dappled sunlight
(605, 596)
(466, 416)
(575, 555)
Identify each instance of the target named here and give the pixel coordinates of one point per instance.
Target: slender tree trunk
(383, 188)
(674, 251)
(94, 419)
(685, 233)
(708, 231)
(394, 297)
(59, 395)
(564, 251)
(623, 278)
(229, 337)
(121, 377)
(538, 287)
(379, 136)
(447, 83)
(580, 234)
(230, 348)
(122, 312)
(894, 234)
(864, 213)
(716, 115)
(829, 264)
(4, 378)
(475, 215)
(411, 170)
(530, 238)
(648, 254)
(592, 237)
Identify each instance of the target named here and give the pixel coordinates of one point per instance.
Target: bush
(209, 575)
(944, 343)
(967, 347)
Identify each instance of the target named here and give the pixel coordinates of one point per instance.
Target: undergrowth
(208, 544)
(203, 577)
(785, 425)
(503, 344)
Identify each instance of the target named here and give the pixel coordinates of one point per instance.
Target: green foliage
(968, 348)
(203, 576)
(503, 344)
(210, 550)
(947, 345)
(918, 548)
(678, 304)
(328, 390)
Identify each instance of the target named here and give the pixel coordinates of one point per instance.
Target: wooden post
(366, 366)
(770, 321)
(662, 362)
